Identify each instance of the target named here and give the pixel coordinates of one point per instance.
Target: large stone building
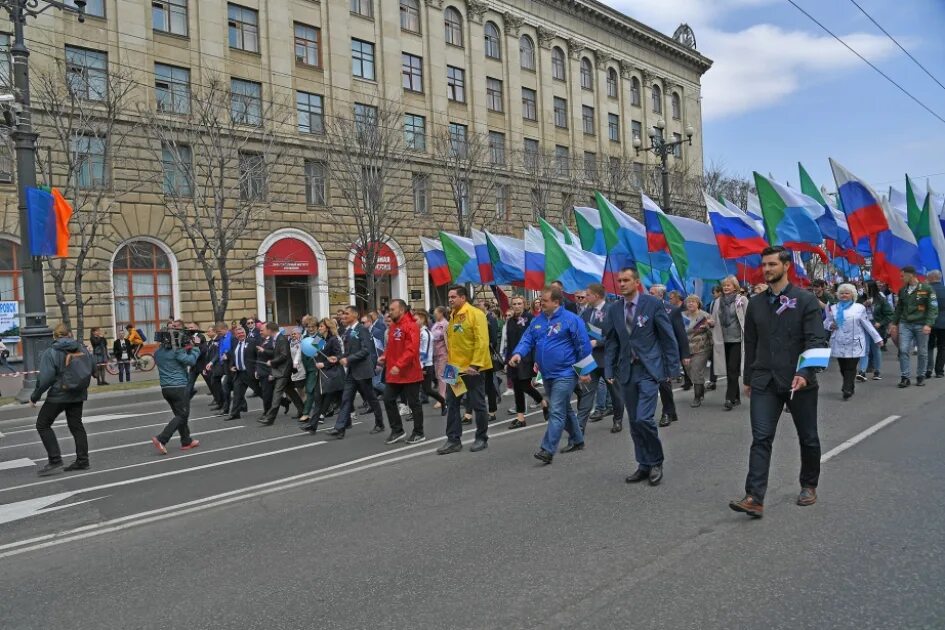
(570, 78)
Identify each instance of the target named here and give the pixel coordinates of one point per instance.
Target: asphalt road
(266, 527)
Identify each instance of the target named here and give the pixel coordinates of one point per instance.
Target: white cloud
(761, 65)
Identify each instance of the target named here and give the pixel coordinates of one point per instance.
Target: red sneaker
(160, 447)
(193, 444)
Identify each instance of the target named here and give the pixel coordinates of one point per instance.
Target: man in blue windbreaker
(563, 356)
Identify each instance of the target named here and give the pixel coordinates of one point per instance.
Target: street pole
(665, 176)
(35, 334)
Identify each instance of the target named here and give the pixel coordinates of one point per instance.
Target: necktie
(628, 316)
(239, 357)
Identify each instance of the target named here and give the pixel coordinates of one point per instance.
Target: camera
(175, 338)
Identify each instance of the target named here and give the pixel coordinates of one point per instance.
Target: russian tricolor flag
(655, 237)
(735, 232)
(436, 261)
(508, 258)
(534, 259)
(893, 244)
(482, 256)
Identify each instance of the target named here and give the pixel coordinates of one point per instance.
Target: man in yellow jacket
(467, 345)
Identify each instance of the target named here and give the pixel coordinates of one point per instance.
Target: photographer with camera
(175, 358)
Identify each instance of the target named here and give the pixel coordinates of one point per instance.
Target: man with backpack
(65, 372)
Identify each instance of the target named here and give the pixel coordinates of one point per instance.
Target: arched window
(557, 64)
(143, 282)
(493, 44)
(612, 83)
(453, 22)
(526, 51)
(587, 74)
(676, 105)
(657, 99)
(635, 91)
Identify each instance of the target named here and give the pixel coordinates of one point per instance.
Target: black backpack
(76, 373)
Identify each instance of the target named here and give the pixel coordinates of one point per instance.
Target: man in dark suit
(674, 310)
(568, 304)
(780, 324)
(240, 364)
(360, 358)
(641, 352)
(595, 319)
(280, 366)
(264, 352)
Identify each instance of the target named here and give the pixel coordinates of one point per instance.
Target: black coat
(513, 334)
(99, 348)
(360, 351)
(773, 342)
(588, 315)
(121, 345)
(679, 329)
(332, 377)
(281, 361)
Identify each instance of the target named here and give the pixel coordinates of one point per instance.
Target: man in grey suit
(280, 366)
(641, 352)
(360, 357)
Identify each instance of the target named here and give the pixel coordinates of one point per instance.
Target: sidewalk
(12, 382)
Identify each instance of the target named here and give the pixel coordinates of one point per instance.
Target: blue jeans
(911, 335)
(873, 356)
(639, 398)
(561, 415)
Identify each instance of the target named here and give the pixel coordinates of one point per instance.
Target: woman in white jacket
(848, 342)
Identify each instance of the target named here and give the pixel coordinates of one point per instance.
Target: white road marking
(232, 496)
(17, 463)
(147, 443)
(94, 420)
(91, 435)
(856, 439)
(31, 507)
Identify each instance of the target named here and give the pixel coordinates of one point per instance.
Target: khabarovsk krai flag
(691, 243)
(508, 258)
(585, 366)
(461, 258)
(570, 265)
(928, 230)
(814, 358)
(590, 230)
(790, 216)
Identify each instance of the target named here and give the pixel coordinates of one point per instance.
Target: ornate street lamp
(35, 334)
(662, 148)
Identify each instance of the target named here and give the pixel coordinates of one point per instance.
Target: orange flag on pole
(63, 211)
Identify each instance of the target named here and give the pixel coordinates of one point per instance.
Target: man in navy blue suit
(641, 352)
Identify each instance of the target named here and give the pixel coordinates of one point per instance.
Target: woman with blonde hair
(728, 315)
(699, 331)
(851, 328)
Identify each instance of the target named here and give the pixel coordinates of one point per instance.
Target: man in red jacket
(401, 360)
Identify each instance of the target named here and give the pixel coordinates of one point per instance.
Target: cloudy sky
(782, 90)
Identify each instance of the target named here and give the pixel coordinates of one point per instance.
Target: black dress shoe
(52, 468)
(570, 448)
(729, 405)
(450, 447)
(478, 445)
(77, 465)
(444, 410)
(545, 412)
(336, 433)
(597, 416)
(236, 417)
(656, 475)
(905, 382)
(544, 456)
(266, 423)
(710, 386)
(673, 417)
(617, 428)
(638, 475)
(664, 421)
(378, 428)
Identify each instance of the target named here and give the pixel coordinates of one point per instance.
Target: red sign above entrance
(290, 257)
(386, 261)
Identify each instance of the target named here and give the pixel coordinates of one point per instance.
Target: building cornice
(626, 27)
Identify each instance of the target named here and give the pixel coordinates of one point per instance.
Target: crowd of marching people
(618, 356)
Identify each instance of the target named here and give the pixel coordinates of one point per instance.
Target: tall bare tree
(720, 182)
(470, 162)
(370, 165)
(225, 165)
(89, 125)
(541, 171)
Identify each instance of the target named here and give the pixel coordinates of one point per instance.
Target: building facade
(569, 78)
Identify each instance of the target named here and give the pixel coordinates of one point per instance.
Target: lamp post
(662, 148)
(35, 334)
